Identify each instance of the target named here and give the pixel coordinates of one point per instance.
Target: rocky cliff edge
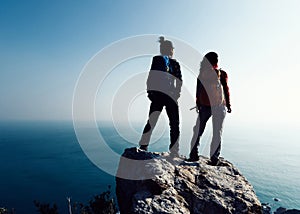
(148, 182)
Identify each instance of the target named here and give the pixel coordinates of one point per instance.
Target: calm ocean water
(43, 161)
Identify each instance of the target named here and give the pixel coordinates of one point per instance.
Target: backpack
(214, 89)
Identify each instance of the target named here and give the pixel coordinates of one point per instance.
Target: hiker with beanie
(212, 99)
(163, 87)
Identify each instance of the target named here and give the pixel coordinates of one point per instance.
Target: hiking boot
(214, 162)
(192, 159)
(144, 147)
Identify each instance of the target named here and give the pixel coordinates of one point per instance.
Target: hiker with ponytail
(163, 87)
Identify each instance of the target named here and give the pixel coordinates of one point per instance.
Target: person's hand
(229, 109)
(198, 107)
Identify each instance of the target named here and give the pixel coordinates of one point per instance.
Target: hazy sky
(44, 45)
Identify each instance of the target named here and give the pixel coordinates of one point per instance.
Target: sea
(44, 161)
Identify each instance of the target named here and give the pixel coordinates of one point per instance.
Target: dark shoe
(144, 147)
(194, 155)
(192, 159)
(214, 162)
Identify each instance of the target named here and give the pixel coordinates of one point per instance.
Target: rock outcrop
(282, 210)
(149, 182)
(266, 208)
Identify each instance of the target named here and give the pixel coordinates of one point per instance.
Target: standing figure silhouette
(163, 87)
(212, 98)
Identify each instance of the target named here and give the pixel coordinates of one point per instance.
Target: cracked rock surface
(150, 182)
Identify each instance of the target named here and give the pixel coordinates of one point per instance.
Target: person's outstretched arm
(224, 82)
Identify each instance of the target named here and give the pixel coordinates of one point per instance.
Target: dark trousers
(218, 114)
(157, 104)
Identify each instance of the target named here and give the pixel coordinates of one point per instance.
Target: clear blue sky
(45, 44)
